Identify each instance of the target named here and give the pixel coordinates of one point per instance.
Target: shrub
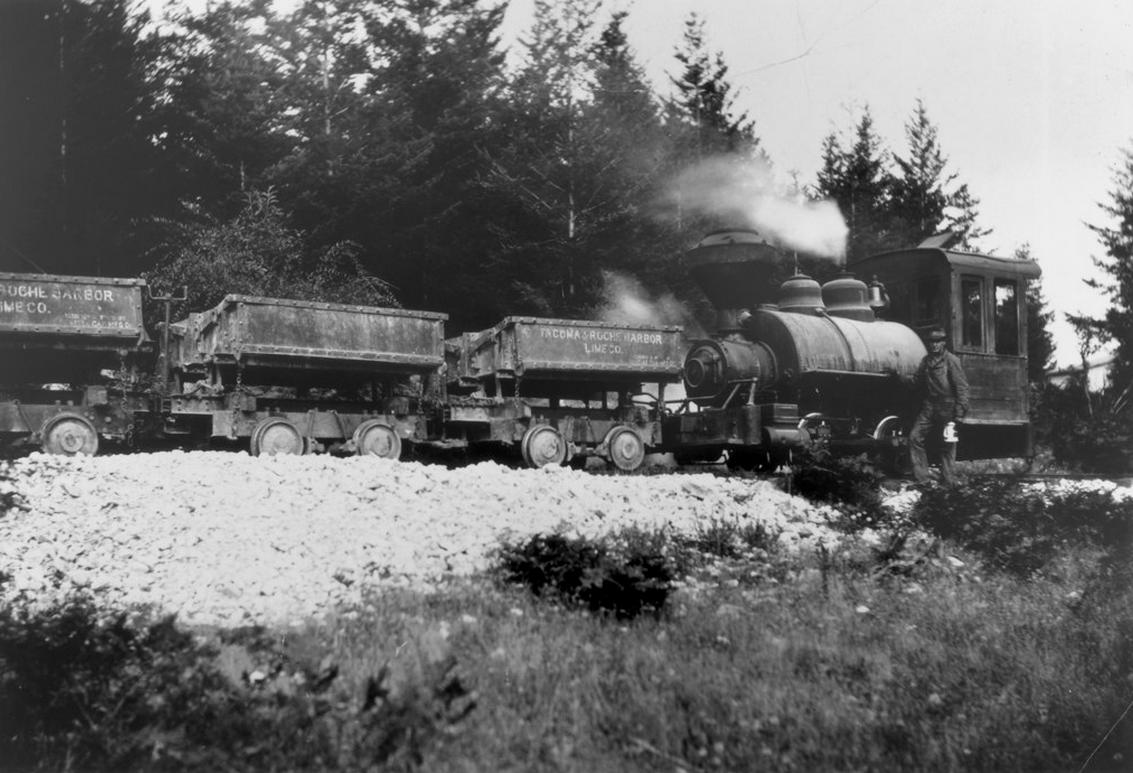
(601, 575)
(1021, 528)
(10, 498)
(728, 538)
(1092, 435)
(852, 483)
(82, 692)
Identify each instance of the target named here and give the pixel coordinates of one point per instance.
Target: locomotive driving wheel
(276, 435)
(543, 445)
(890, 451)
(69, 434)
(375, 438)
(625, 448)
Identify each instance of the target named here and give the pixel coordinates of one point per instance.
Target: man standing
(943, 390)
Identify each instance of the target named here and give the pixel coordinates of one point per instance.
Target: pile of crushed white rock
(229, 539)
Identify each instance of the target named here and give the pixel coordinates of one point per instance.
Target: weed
(729, 538)
(625, 578)
(10, 498)
(82, 691)
(1019, 528)
(851, 483)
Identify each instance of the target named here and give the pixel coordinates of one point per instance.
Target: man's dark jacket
(940, 381)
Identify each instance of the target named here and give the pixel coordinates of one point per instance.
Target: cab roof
(954, 259)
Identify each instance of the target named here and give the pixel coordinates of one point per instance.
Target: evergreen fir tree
(917, 194)
(1040, 342)
(79, 110)
(858, 179)
(1116, 237)
(704, 102)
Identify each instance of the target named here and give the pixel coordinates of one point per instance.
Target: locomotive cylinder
(713, 368)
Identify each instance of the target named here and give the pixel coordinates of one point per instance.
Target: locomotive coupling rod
(167, 301)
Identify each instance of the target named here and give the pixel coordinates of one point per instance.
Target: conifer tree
(859, 180)
(1040, 342)
(545, 178)
(226, 101)
(918, 195)
(704, 101)
(1116, 237)
(79, 111)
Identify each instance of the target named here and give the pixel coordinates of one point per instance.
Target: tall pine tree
(704, 102)
(80, 169)
(1040, 342)
(859, 180)
(1116, 237)
(226, 102)
(545, 177)
(917, 193)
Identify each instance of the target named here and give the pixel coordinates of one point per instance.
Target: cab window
(971, 312)
(926, 302)
(1006, 317)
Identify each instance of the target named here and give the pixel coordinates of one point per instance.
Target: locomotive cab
(979, 300)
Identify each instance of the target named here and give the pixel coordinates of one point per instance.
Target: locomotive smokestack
(734, 269)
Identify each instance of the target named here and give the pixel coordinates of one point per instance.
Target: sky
(1032, 100)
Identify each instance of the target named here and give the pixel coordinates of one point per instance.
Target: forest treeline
(393, 152)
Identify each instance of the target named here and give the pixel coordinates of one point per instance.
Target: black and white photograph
(566, 386)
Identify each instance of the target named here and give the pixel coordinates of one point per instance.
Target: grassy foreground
(991, 630)
(831, 668)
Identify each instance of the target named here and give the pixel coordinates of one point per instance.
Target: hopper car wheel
(543, 445)
(373, 438)
(625, 448)
(277, 436)
(69, 434)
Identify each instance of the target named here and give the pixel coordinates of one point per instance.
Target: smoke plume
(744, 192)
(629, 303)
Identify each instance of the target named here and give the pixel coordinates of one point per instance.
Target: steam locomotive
(834, 363)
(787, 367)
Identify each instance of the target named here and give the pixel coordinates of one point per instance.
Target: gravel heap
(228, 539)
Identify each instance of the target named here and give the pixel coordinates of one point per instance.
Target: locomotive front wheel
(890, 452)
(277, 436)
(543, 445)
(373, 438)
(625, 448)
(69, 434)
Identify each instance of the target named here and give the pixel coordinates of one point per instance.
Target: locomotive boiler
(789, 365)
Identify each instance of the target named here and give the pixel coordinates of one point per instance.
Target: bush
(1093, 437)
(1021, 528)
(852, 483)
(728, 538)
(10, 498)
(624, 579)
(82, 692)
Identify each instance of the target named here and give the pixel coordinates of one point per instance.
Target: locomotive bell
(801, 294)
(847, 296)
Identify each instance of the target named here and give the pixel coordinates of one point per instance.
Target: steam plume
(743, 190)
(629, 303)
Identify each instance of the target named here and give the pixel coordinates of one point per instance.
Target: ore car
(76, 361)
(558, 390)
(807, 363)
(293, 377)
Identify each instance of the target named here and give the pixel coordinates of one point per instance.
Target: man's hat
(936, 334)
